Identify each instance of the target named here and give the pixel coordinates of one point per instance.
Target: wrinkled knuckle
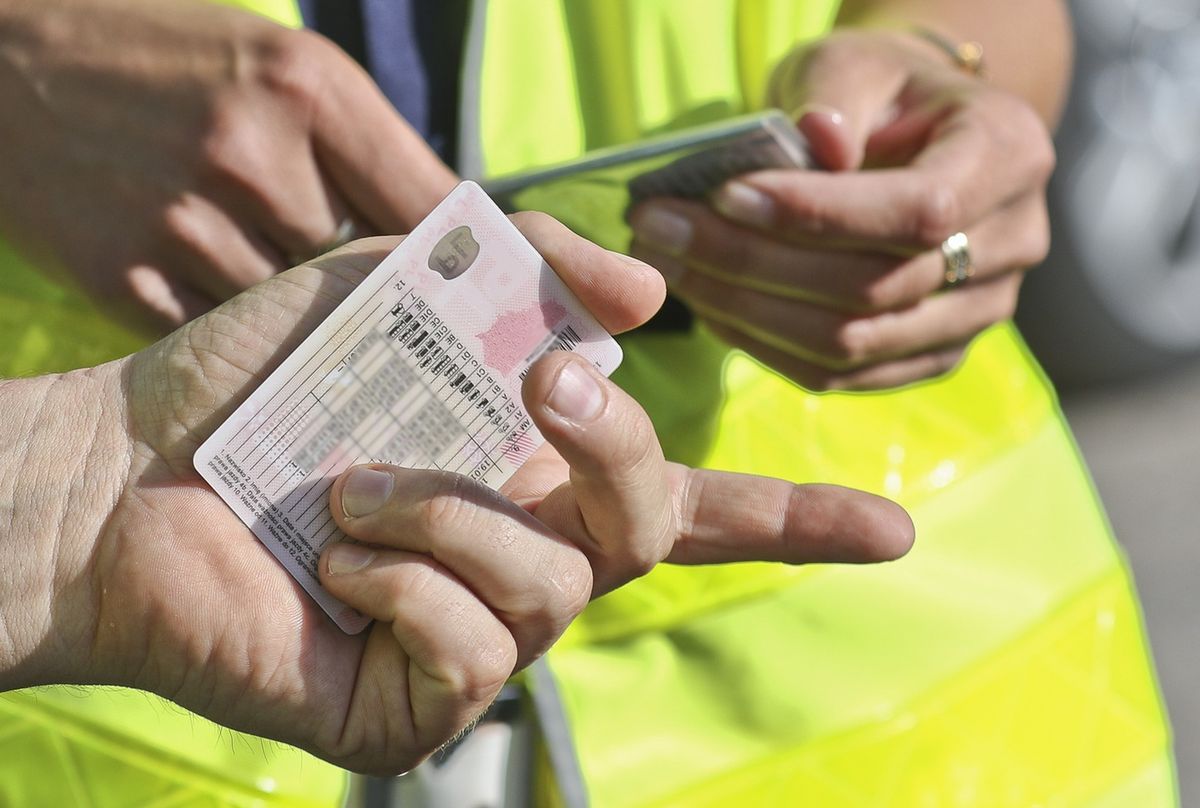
(569, 591)
(647, 550)
(293, 65)
(641, 441)
(448, 508)
(937, 215)
(641, 557)
(413, 581)
(485, 672)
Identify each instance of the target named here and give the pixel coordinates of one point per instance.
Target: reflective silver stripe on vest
(470, 135)
(556, 734)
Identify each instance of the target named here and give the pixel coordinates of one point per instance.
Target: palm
(229, 632)
(192, 606)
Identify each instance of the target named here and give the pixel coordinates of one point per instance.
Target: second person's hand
(837, 278)
(169, 155)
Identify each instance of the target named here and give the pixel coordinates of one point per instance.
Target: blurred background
(1114, 315)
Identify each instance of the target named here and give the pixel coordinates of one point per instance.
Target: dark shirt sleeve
(413, 49)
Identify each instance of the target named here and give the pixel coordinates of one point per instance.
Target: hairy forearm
(62, 464)
(1027, 43)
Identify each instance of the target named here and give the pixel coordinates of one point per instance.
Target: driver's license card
(420, 366)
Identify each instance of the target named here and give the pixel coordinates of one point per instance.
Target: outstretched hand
(466, 585)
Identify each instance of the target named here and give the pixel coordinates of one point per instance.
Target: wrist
(933, 45)
(65, 459)
(869, 63)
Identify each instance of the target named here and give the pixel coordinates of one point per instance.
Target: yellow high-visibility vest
(1002, 663)
(109, 747)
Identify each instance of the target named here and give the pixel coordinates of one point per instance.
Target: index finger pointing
(725, 517)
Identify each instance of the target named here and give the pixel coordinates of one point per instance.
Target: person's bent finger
(309, 216)
(630, 509)
(534, 580)
(837, 90)
(460, 652)
(805, 328)
(839, 340)
(218, 257)
(158, 302)
(884, 375)
(621, 292)
(1012, 239)
(726, 517)
(691, 233)
(616, 507)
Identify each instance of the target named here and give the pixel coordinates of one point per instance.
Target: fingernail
(663, 229)
(343, 558)
(833, 114)
(576, 395)
(365, 491)
(745, 204)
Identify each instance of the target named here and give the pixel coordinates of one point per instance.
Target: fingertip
(665, 227)
(621, 292)
(832, 144)
(885, 530)
(564, 388)
(363, 490)
(640, 291)
(345, 558)
(742, 200)
(852, 526)
(903, 535)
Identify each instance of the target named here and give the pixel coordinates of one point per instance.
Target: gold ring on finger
(957, 255)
